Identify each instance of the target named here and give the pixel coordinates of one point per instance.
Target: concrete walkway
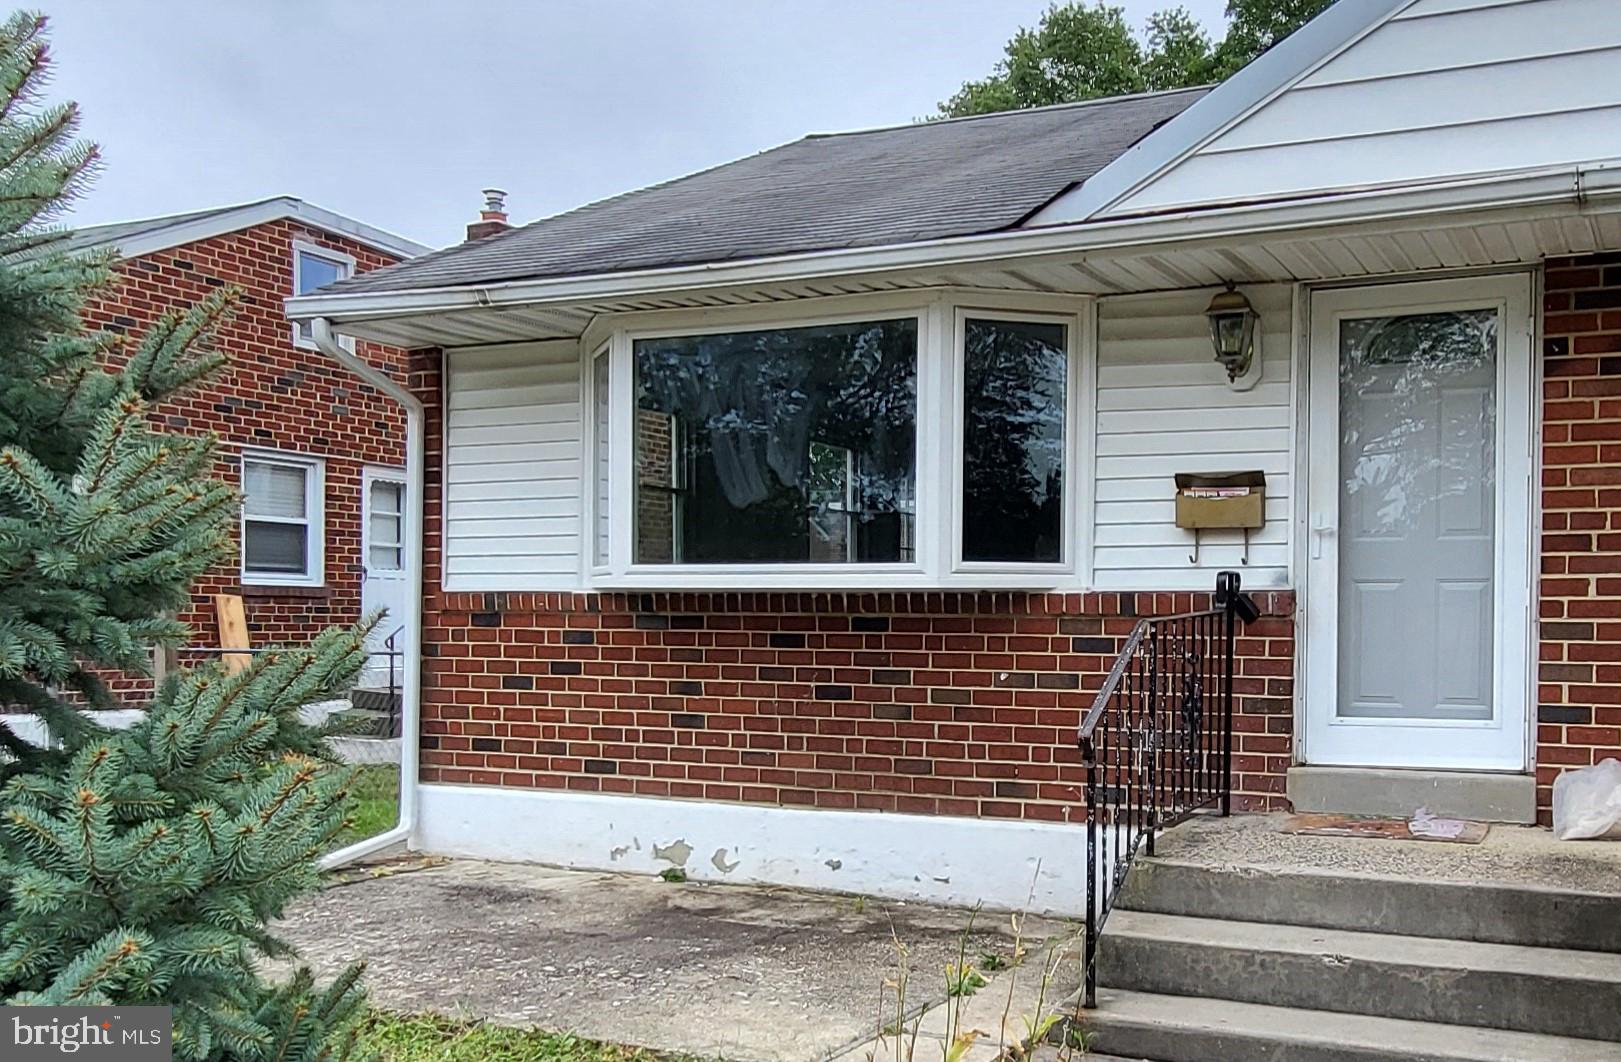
(1515, 856)
(718, 971)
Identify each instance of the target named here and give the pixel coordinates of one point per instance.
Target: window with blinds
(281, 520)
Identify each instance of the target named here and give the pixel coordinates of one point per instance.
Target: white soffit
(1354, 251)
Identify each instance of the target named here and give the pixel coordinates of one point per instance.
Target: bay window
(1015, 377)
(918, 444)
(779, 446)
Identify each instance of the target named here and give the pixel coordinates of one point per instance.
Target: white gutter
(411, 695)
(1494, 192)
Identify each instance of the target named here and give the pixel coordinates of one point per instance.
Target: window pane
(317, 272)
(273, 490)
(277, 548)
(385, 558)
(1013, 441)
(600, 395)
(387, 497)
(385, 529)
(796, 444)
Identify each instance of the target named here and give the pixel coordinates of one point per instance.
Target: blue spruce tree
(140, 866)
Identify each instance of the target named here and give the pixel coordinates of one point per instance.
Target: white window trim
(314, 519)
(595, 434)
(1073, 324)
(315, 250)
(623, 571)
(937, 563)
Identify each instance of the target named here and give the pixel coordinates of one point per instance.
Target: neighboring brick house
(723, 547)
(314, 451)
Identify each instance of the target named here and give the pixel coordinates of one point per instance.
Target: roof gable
(131, 239)
(1379, 94)
(879, 187)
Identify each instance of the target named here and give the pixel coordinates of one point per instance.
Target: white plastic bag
(1587, 803)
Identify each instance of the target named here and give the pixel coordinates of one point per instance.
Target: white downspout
(411, 654)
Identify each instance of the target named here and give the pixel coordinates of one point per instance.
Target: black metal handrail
(1157, 742)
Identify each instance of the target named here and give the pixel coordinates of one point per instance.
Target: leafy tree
(1257, 25)
(1082, 51)
(136, 866)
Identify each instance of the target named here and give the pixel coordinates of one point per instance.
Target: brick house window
(282, 520)
(780, 446)
(316, 267)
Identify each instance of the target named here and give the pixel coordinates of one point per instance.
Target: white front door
(1417, 590)
(383, 571)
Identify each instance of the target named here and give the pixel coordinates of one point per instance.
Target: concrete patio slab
(719, 971)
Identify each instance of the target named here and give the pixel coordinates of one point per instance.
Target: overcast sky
(396, 112)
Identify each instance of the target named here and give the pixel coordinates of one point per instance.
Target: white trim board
(187, 228)
(1004, 864)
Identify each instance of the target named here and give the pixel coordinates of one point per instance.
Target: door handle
(1321, 529)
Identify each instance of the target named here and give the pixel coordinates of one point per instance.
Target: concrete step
(1497, 986)
(1180, 1029)
(1487, 911)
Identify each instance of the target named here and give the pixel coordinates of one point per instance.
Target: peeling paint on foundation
(619, 853)
(676, 852)
(719, 859)
(834, 864)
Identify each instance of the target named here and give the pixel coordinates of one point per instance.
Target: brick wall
(1579, 690)
(946, 703)
(271, 395)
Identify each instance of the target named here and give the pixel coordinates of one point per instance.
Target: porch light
(1232, 331)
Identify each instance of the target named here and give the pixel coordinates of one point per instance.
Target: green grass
(374, 802)
(428, 1038)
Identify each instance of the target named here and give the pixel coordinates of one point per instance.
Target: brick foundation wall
(942, 703)
(1579, 677)
(271, 395)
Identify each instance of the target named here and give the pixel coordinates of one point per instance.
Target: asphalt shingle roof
(863, 189)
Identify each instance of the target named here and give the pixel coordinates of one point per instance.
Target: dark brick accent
(1579, 715)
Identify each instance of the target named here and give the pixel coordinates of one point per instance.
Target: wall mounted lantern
(1232, 332)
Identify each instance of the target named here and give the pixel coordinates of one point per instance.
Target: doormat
(1421, 827)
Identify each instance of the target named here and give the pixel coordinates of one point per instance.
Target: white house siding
(513, 457)
(1163, 407)
(1443, 88)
